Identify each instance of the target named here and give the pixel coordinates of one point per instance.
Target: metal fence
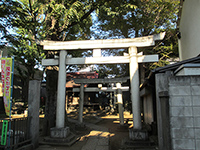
(17, 134)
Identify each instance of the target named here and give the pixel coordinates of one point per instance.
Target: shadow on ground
(100, 131)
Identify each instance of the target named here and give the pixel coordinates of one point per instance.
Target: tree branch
(94, 7)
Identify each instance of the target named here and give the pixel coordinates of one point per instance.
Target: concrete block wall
(184, 112)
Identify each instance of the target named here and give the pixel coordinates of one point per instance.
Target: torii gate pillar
(60, 107)
(81, 103)
(120, 103)
(133, 59)
(134, 83)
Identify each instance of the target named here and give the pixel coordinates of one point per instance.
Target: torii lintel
(103, 44)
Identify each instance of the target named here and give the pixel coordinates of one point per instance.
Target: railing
(17, 133)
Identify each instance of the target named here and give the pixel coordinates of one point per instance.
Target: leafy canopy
(60, 20)
(130, 19)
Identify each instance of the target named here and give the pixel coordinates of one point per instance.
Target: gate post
(120, 103)
(81, 103)
(134, 82)
(164, 122)
(60, 107)
(33, 111)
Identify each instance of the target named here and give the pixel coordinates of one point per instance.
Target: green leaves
(61, 20)
(64, 18)
(129, 19)
(28, 30)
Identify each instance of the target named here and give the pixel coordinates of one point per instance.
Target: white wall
(189, 45)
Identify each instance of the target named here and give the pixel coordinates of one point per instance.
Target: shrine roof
(83, 75)
(79, 75)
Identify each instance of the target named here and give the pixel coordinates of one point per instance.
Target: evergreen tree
(8, 11)
(130, 19)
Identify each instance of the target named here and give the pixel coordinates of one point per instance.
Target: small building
(178, 105)
(73, 97)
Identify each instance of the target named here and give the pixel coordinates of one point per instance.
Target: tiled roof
(175, 66)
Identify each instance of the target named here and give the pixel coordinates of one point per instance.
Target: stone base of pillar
(59, 132)
(138, 135)
(60, 137)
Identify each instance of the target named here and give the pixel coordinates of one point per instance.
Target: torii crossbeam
(118, 90)
(133, 58)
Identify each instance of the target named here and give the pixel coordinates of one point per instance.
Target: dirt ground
(118, 133)
(102, 120)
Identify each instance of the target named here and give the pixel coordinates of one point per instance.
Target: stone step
(146, 148)
(138, 148)
(26, 147)
(68, 141)
(137, 145)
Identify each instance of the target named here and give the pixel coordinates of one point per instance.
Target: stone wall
(184, 101)
(182, 95)
(147, 103)
(148, 109)
(161, 86)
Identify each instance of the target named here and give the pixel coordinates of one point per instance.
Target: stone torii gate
(133, 58)
(118, 90)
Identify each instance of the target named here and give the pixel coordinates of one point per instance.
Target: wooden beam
(107, 89)
(101, 60)
(102, 44)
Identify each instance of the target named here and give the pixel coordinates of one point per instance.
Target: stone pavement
(97, 139)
